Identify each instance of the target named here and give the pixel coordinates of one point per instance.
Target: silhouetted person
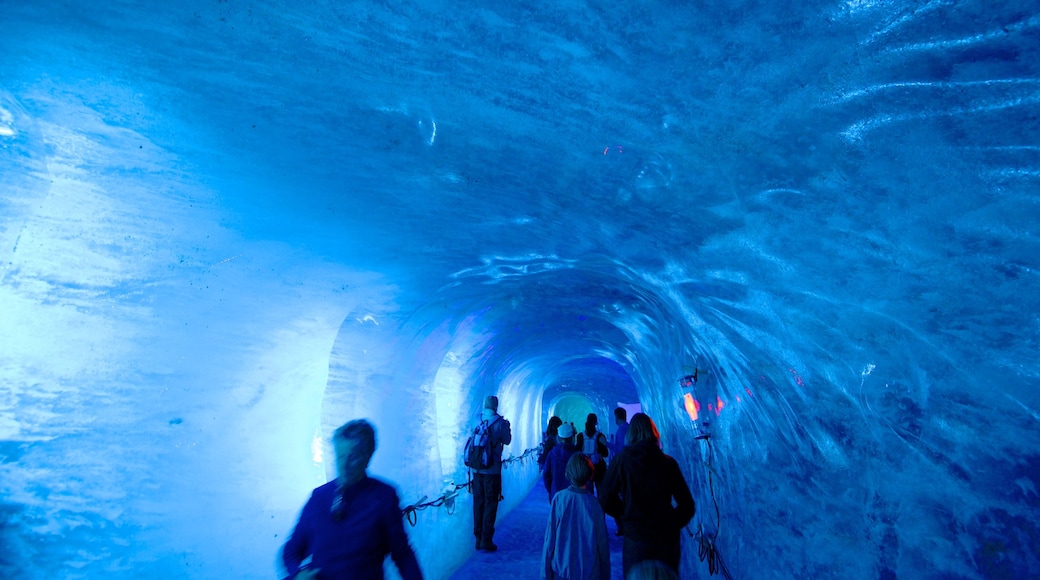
(640, 486)
(349, 525)
(554, 475)
(576, 535)
(616, 445)
(487, 483)
(593, 442)
(620, 420)
(549, 440)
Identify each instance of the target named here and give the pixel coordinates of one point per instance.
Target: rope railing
(447, 499)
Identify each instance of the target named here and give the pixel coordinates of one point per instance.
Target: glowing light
(316, 449)
(692, 406)
(719, 405)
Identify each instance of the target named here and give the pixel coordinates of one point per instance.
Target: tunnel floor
(519, 537)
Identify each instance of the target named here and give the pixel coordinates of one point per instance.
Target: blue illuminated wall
(228, 227)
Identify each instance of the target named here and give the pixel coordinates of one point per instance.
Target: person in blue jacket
(349, 525)
(554, 474)
(576, 534)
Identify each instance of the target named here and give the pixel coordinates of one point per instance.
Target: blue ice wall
(228, 227)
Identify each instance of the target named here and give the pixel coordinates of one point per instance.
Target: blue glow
(226, 228)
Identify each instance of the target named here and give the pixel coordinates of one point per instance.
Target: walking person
(618, 440)
(554, 474)
(593, 442)
(349, 525)
(548, 440)
(576, 535)
(640, 487)
(617, 443)
(487, 482)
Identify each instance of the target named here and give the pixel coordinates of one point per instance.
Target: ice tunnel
(229, 226)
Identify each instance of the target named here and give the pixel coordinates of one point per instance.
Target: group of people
(640, 487)
(349, 525)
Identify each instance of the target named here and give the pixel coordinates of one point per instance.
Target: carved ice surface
(227, 228)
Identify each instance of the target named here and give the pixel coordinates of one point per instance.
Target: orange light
(692, 406)
(719, 405)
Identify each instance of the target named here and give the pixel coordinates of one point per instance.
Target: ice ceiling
(226, 227)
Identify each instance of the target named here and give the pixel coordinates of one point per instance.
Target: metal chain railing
(447, 499)
(523, 457)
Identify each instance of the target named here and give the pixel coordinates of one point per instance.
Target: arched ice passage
(227, 227)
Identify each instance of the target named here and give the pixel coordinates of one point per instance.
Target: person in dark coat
(349, 525)
(639, 487)
(487, 483)
(554, 475)
(549, 440)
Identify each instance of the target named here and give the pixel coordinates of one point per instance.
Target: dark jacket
(548, 442)
(500, 434)
(349, 536)
(554, 475)
(639, 487)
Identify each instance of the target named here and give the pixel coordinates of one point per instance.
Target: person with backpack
(593, 442)
(484, 457)
(576, 535)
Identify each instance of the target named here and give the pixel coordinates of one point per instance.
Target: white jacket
(575, 538)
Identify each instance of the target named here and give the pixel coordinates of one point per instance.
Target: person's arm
(610, 496)
(684, 504)
(400, 550)
(297, 548)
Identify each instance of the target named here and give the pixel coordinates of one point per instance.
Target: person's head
(579, 469)
(355, 442)
(565, 433)
(620, 414)
(490, 407)
(651, 570)
(491, 402)
(590, 424)
(642, 428)
(554, 426)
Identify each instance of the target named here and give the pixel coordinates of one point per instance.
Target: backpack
(478, 447)
(591, 446)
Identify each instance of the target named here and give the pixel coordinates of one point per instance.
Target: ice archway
(227, 226)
